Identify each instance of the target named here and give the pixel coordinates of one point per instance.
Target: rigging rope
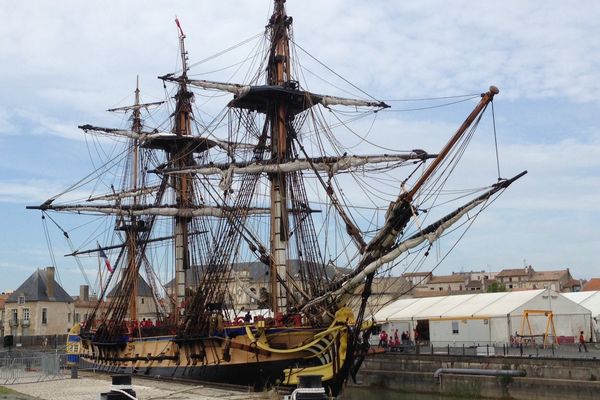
(333, 72)
(496, 141)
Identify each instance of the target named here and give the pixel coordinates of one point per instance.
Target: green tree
(496, 287)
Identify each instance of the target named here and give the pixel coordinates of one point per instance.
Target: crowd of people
(386, 340)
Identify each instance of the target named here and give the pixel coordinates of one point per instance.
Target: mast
(182, 183)
(279, 74)
(132, 233)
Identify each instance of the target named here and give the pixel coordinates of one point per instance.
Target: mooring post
(310, 387)
(121, 389)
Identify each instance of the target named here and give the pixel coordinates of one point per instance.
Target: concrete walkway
(90, 386)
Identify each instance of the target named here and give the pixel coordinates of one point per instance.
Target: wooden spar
(485, 100)
(278, 74)
(430, 233)
(119, 246)
(400, 212)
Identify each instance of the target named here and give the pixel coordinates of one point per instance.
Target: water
(370, 393)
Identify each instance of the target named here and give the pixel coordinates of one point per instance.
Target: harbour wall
(548, 379)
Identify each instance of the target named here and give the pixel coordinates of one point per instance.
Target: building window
(76, 317)
(455, 327)
(142, 300)
(441, 288)
(69, 317)
(26, 314)
(44, 315)
(21, 300)
(15, 315)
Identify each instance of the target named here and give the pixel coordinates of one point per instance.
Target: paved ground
(90, 386)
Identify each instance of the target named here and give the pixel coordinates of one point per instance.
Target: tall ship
(187, 205)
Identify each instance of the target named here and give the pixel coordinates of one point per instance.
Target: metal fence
(41, 341)
(591, 350)
(16, 367)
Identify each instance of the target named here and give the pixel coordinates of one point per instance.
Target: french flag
(105, 258)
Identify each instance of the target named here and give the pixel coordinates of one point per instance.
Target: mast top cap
(494, 90)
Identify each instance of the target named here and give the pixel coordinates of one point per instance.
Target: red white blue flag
(105, 258)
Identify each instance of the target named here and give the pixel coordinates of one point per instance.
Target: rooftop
(35, 288)
(593, 284)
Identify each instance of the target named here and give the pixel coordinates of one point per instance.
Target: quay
(545, 377)
(89, 385)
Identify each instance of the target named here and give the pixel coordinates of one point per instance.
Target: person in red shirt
(582, 342)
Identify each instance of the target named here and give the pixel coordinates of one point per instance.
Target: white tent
(486, 318)
(591, 301)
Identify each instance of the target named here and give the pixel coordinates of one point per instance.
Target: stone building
(40, 306)
(515, 278)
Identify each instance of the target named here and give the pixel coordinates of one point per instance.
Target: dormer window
(21, 300)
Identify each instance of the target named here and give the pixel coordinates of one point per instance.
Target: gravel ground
(89, 387)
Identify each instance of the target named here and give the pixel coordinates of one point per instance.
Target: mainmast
(182, 184)
(132, 236)
(279, 74)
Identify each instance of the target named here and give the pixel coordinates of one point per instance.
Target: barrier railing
(30, 369)
(565, 350)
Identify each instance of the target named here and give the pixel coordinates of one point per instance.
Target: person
(396, 341)
(582, 342)
(247, 317)
(403, 337)
(383, 339)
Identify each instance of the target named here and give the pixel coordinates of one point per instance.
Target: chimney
(84, 293)
(50, 282)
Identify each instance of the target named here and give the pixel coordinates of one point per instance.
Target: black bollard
(120, 384)
(310, 387)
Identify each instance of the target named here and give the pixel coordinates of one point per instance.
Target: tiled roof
(143, 289)
(593, 284)
(549, 275)
(35, 289)
(512, 272)
(474, 283)
(417, 274)
(456, 278)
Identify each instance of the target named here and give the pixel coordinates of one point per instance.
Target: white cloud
(65, 62)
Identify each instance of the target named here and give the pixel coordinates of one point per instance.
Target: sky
(63, 63)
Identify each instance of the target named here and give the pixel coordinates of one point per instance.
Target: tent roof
(589, 300)
(473, 305)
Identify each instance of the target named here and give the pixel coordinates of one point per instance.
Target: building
(485, 318)
(3, 297)
(146, 306)
(383, 291)
(40, 306)
(591, 285)
(556, 280)
(417, 279)
(86, 304)
(448, 283)
(515, 278)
